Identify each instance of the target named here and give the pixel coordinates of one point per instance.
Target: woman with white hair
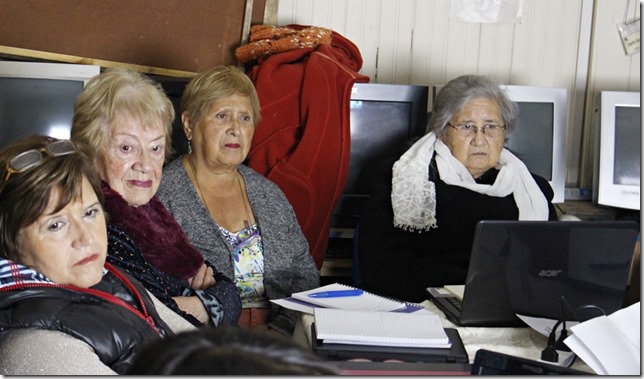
(418, 226)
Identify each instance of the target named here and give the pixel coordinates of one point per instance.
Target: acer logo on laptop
(549, 273)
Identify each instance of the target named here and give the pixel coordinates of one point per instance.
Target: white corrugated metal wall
(415, 42)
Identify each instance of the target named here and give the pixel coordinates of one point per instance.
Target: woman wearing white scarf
(453, 177)
(413, 197)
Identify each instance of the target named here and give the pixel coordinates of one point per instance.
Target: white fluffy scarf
(413, 196)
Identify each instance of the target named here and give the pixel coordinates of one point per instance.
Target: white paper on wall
(486, 11)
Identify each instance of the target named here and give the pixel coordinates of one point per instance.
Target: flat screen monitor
(38, 98)
(540, 137)
(382, 118)
(618, 148)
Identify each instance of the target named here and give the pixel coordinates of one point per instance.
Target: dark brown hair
(228, 350)
(25, 196)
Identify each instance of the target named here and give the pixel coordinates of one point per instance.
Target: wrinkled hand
(193, 306)
(203, 279)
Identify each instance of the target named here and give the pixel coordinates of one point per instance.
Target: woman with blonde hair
(126, 120)
(237, 218)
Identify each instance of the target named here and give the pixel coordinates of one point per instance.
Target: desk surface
(522, 342)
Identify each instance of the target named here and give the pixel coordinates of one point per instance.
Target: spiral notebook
(393, 354)
(365, 302)
(380, 328)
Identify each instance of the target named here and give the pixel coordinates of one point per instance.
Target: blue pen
(341, 293)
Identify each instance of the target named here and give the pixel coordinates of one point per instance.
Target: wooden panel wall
(185, 35)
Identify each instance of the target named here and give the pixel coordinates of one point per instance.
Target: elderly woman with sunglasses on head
(126, 120)
(63, 309)
(418, 227)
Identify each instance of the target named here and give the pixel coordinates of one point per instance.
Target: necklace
(249, 214)
(203, 198)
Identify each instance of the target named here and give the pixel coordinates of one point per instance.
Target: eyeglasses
(469, 130)
(31, 158)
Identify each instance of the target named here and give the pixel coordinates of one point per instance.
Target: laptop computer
(485, 299)
(340, 352)
(576, 270)
(498, 288)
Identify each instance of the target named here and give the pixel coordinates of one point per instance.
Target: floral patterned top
(248, 260)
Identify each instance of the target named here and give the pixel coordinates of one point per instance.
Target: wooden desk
(523, 342)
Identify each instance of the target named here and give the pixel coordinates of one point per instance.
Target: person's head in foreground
(228, 350)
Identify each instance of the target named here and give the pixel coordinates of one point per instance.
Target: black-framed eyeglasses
(469, 130)
(31, 158)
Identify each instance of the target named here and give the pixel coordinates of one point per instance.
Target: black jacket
(126, 255)
(113, 331)
(402, 264)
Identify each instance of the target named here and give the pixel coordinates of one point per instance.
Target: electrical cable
(549, 353)
(560, 345)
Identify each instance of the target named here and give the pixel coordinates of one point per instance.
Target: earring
(190, 146)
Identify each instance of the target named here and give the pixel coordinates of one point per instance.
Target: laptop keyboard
(457, 303)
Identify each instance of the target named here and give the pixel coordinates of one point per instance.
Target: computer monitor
(540, 137)
(382, 118)
(173, 88)
(618, 148)
(39, 97)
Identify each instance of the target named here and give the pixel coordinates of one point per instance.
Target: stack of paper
(610, 345)
(380, 328)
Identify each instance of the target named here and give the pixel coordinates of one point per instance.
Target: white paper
(586, 355)
(544, 325)
(609, 344)
(380, 328)
(305, 307)
(456, 290)
(365, 302)
(628, 321)
(486, 11)
(288, 304)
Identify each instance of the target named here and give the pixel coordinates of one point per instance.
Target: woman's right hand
(203, 279)
(193, 306)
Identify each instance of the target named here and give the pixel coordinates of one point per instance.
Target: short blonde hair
(214, 84)
(115, 91)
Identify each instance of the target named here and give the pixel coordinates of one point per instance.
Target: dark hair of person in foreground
(228, 350)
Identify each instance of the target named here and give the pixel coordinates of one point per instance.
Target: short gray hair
(459, 91)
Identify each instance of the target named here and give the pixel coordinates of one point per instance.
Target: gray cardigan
(288, 265)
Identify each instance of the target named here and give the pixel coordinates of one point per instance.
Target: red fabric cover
(302, 142)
